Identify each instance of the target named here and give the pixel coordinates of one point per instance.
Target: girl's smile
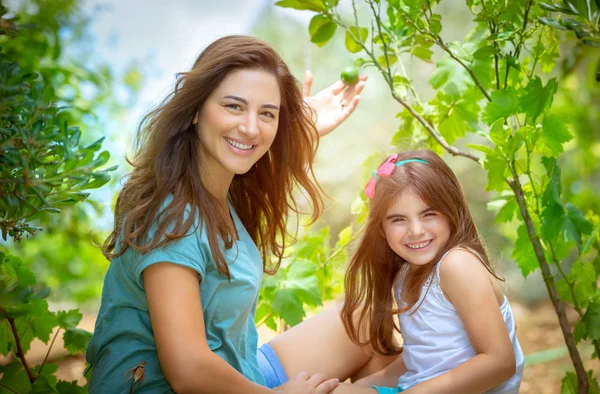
(414, 230)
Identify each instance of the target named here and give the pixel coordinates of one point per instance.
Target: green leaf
(451, 77)
(554, 187)
(567, 221)
(297, 286)
(504, 104)
(591, 321)
(15, 377)
(76, 340)
(569, 384)
(313, 5)
(537, 98)
(507, 211)
(422, 53)
(321, 29)
(70, 388)
(352, 45)
(554, 134)
(523, 252)
(481, 148)
(46, 381)
(497, 169)
(69, 319)
(435, 24)
(499, 132)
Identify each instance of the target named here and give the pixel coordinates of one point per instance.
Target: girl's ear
(195, 120)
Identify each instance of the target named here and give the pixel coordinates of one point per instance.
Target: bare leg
(320, 344)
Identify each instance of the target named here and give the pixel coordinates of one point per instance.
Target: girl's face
(413, 230)
(238, 122)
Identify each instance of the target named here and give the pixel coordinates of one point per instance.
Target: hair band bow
(386, 169)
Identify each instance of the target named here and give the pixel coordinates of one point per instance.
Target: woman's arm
(470, 288)
(187, 363)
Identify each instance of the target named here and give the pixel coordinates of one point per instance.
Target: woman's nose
(249, 126)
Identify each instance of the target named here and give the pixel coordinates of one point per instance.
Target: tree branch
(20, 353)
(559, 306)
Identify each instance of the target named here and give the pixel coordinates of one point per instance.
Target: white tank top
(435, 340)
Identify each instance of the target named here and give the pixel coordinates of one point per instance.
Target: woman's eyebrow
(242, 100)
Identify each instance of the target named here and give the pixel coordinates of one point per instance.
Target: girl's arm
(386, 377)
(476, 297)
(187, 362)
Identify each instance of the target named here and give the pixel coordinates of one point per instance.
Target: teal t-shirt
(123, 333)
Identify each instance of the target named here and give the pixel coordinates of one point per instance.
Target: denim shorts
(271, 367)
(275, 375)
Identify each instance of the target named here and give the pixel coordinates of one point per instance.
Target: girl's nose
(416, 227)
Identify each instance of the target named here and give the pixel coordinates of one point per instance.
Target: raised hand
(334, 104)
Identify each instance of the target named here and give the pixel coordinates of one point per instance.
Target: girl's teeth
(419, 246)
(238, 145)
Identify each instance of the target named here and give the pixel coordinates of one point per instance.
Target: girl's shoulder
(462, 265)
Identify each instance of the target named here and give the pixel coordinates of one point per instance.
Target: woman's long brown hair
(167, 163)
(370, 307)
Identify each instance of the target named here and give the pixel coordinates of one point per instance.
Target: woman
(199, 219)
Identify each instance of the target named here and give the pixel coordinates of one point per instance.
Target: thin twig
(48, 353)
(437, 39)
(342, 247)
(8, 388)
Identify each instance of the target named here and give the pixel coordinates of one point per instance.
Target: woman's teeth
(238, 145)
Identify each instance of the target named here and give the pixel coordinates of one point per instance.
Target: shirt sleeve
(185, 251)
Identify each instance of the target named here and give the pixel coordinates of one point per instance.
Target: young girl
(422, 258)
(204, 209)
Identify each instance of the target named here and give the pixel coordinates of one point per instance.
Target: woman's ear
(195, 120)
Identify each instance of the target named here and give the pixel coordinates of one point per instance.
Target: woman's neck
(217, 183)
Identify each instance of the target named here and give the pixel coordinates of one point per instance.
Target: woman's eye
(268, 114)
(430, 214)
(234, 106)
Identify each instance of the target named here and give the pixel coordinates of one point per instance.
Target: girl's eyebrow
(397, 215)
(236, 98)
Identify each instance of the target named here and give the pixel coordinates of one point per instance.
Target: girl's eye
(430, 214)
(268, 114)
(397, 220)
(233, 106)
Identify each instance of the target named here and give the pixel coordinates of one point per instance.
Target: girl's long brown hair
(369, 309)
(167, 163)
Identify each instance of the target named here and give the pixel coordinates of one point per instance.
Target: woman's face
(238, 122)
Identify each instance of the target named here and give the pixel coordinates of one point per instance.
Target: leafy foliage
(43, 167)
(495, 85)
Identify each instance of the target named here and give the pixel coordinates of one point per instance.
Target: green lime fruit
(349, 75)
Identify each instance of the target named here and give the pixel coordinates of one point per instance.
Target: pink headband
(386, 169)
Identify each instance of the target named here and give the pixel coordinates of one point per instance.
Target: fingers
(327, 386)
(307, 85)
(349, 108)
(302, 376)
(339, 86)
